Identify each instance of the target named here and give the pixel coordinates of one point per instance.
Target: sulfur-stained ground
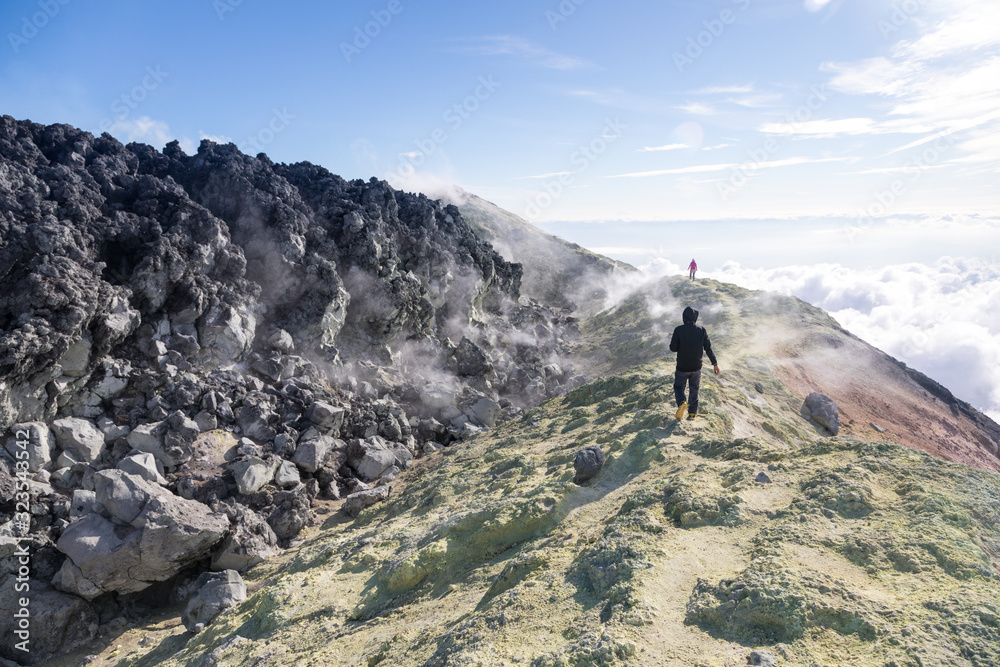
(699, 542)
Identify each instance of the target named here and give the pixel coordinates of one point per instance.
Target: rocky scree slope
(196, 349)
(748, 536)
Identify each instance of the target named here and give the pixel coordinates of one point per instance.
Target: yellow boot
(680, 411)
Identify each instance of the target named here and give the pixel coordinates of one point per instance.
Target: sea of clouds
(942, 319)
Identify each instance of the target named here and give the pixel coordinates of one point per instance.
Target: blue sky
(563, 111)
(837, 137)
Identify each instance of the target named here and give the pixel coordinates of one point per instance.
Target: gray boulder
(485, 412)
(216, 592)
(79, 437)
(111, 430)
(99, 558)
(170, 441)
(206, 421)
(165, 534)
(175, 533)
(761, 658)
(123, 495)
(249, 541)
(438, 396)
(245, 447)
(326, 417)
(291, 512)
(822, 410)
(404, 457)
(33, 440)
(149, 438)
(282, 341)
(390, 428)
(312, 454)
(356, 502)
(178, 442)
(65, 460)
(470, 359)
(370, 457)
(225, 333)
(144, 465)
(276, 367)
(254, 418)
(211, 401)
(76, 359)
(285, 445)
(252, 474)
(287, 475)
(390, 473)
(82, 503)
(588, 463)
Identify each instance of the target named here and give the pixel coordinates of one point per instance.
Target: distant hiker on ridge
(693, 267)
(690, 341)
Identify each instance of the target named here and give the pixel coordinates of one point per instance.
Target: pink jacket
(693, 266)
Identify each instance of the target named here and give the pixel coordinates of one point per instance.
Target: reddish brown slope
(870, 387)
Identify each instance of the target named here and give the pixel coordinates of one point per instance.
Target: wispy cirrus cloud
(726, 90)
(760, 101)
(521, 49)
(961, 25)
(728, 166)
(977, 124)
(656, 149)
(698, 109)
(825, 128)
(542, 177)
(896, 169)
(745, 95)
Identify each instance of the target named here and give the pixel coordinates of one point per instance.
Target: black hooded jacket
(688, 341)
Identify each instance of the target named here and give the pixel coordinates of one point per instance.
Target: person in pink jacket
(692, 268)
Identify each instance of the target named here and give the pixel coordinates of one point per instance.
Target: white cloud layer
(729, 166)
(668, 147)
(941, 319)
(520, 48)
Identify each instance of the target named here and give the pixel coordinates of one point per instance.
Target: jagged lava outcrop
(195, 349)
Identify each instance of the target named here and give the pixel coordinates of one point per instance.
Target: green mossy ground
(855, 553)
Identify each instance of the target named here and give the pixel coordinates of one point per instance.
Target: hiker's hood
(690, 315)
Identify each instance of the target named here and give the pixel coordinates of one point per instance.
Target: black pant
(680, 380)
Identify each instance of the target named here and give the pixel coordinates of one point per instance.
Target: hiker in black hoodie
(690, 341)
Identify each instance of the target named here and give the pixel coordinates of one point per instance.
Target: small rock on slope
(588, 463)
